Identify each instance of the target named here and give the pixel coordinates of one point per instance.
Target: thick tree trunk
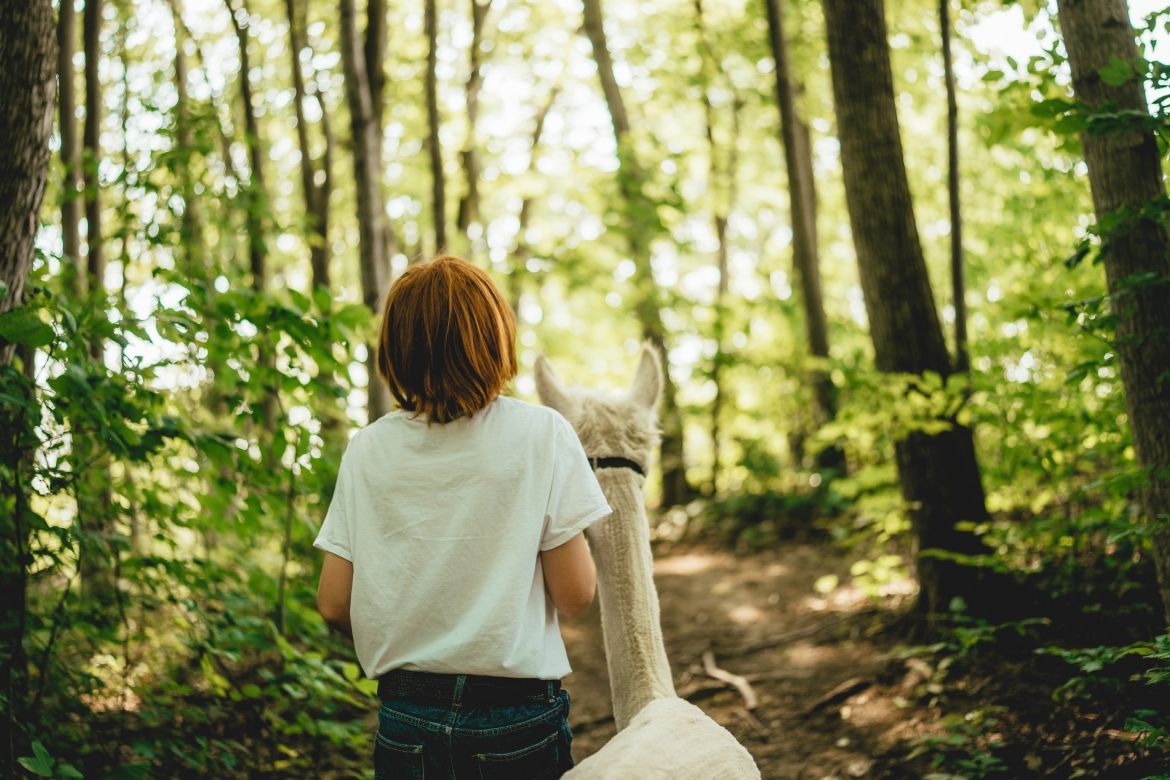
(438, 184)
(92, 151)
(1125, 175)
(801, 202)
(939, 474)
(316, 176)
(71, 186)
(28, 91)
(366, 156)
(675, 488)
(958, 286)
(469, 202)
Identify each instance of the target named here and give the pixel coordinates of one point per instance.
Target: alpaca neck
(638, 669)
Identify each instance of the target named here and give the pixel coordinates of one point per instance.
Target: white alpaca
(659, 734)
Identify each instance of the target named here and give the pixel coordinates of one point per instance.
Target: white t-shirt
(444, 524)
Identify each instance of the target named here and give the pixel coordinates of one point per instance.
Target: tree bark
(71, 189)
(28, 91)
(1125, 175)
(256, 198)
(958, 285)
(794, 138)
(721, 186)
(370, 212)
(316, 193)
(374, 49)
(938, 473)
(469, 202)
(191, 233)
(522, 250)
(639, 230)
(92, 151)
(438, 198)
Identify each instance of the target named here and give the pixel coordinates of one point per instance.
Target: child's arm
(570, 576)
(333, 592)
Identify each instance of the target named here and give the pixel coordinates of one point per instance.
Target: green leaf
(40, 763)
(23, 325)
(1117, 72)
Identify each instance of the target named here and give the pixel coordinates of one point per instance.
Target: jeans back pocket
(396, 761)
(540, 761)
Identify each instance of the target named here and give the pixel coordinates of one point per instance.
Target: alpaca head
(622, 425)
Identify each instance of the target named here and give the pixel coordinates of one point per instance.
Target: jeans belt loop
(457, 694)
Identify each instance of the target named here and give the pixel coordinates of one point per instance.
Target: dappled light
(788, 380)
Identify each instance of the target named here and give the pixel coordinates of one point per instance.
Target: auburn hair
(447, 346)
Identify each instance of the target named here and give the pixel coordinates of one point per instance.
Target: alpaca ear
(549, 388)
(648, 378)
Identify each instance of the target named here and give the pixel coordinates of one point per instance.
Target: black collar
(617, 463)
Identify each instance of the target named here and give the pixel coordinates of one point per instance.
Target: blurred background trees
(203, 204)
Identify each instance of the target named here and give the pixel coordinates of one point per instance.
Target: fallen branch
(740, 683)
(805, 632)
(839, 694)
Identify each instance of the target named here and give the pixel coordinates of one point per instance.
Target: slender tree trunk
(194, 245)
(522, 251)
(28, 92)
(95, 255)
(256, 197)
(1125, 175)
(316, 179)
(469, 202)
(255, 219)
(93, 491)
(801, 201)
(438, 198)
(721, 188)
(375, 51)
(366, 156)
(639, 230)
(939, 474)
(71, 189)
(958, 286)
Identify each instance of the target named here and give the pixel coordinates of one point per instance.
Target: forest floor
(839, 696)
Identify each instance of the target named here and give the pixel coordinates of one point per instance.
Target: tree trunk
(721, 188)
(28, 91)
(958, 286)
(438, 198)
(469, 203)
(191, 233)
(639, 230)
(939, 474)
(522, 251)
(316, 193)
(1125, 175)
(256, 199)
(71, 192)
(801, 202)
(92, 152)
(374, 49)
(92, 488)
(366, 156)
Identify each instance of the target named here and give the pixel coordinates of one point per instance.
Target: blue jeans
(527, 741)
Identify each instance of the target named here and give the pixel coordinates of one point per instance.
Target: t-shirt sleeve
(335, 535)
(575, 501)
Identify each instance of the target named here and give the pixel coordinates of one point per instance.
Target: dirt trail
(736, 606)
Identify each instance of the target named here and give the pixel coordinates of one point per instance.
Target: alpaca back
(669, 738)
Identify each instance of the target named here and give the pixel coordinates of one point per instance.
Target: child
(454, 536)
